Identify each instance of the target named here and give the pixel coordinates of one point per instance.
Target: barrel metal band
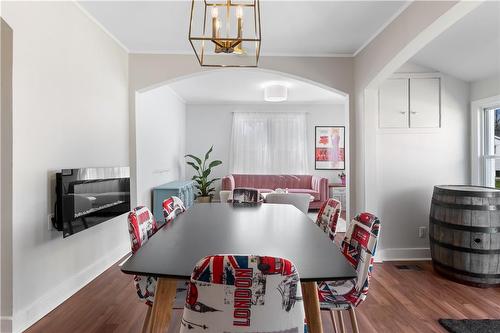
(494, 193)
(465, 207)
(463, 249)
(459, 271)
(486, 230)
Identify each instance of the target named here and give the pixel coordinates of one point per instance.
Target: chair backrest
(299, 200)
(172, 207)
(243, 293)
(359, 247)
(141, 226)
(225, 196)
(328, 217)
(246, 195)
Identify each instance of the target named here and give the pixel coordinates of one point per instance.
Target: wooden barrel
(464, 234)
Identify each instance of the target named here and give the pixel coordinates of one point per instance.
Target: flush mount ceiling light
(225, 33)
(275, 93)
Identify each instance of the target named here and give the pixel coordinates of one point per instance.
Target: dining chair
(172, 207)
(142, 226)
(225, 196)
(328, 217)
(246, 196)
(240, 293)
(358, 247)
(299, 200)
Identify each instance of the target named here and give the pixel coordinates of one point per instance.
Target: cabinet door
(393, 104)
(425, 109)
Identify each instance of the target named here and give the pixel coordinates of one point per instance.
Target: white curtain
(269, 143)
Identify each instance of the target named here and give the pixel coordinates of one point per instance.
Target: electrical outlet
(422, 232)
(49, 221)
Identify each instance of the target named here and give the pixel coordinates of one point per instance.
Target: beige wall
(147, 70)
(70, 93)
(5, 176)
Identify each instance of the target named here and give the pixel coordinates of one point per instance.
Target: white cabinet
(410, 103)
(424, 103)
(393, 104)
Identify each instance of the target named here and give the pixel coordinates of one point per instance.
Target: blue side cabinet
(184, 189)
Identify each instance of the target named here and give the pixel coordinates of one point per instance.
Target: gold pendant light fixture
(225, 33)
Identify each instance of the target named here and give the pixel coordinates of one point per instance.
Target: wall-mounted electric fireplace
(89, 196)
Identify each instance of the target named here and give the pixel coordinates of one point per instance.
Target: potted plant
(342, 178)
(203, 169)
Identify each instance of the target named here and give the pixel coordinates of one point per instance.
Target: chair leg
(354, 321)
(145, 326)
(341, 321)
(334, 321)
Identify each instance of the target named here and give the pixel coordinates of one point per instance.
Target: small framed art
(329, 148)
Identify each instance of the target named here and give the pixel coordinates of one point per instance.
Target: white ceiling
(309, 28)
(470, 49)
(241, 86)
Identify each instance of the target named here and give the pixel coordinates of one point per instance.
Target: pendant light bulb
(215, 12)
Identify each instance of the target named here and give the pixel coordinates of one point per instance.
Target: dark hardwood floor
(398, 301)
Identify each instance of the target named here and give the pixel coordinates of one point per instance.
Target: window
(491, 147)
(269, 143)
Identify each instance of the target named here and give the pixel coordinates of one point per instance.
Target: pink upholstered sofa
(313, 185)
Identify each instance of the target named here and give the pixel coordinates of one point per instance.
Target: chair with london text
(172, 207)
(240, 293)
(358, 247)
(328, 217)
(142, 226)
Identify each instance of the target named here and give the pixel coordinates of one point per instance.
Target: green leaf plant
(203, 170)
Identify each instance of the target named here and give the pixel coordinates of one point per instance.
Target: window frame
(478, 138)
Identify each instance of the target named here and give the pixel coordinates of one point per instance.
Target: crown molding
(263, 54)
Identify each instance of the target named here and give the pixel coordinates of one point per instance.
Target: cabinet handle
(413, 112)
(402, 112)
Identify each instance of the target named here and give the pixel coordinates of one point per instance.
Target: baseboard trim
(28, 316)
(403, 254)
(5, 324)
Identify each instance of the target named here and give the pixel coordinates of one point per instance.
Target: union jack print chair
(234, 294)
(328, 217)
(172, 207)
(358, 247)
(142, 226)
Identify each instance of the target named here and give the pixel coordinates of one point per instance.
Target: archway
(137, 109)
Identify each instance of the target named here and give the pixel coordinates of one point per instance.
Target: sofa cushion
(273, 181)
(298, 182)
(306, 191)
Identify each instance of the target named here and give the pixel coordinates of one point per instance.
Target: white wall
(161, 137)
(70, 110)
(209, 124)
(5, 177)
(147, 70)
(485, 88)
(410, 162)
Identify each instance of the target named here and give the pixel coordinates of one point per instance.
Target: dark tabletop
(267, 230)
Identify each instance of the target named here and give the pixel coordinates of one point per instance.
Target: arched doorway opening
(220, 92)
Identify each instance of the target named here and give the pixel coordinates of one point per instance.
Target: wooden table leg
(311, 306)
(145, 326)
(162, 306)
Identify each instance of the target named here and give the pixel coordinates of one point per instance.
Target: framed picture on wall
(329, 148)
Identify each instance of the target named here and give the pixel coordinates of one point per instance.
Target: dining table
(276, 230)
